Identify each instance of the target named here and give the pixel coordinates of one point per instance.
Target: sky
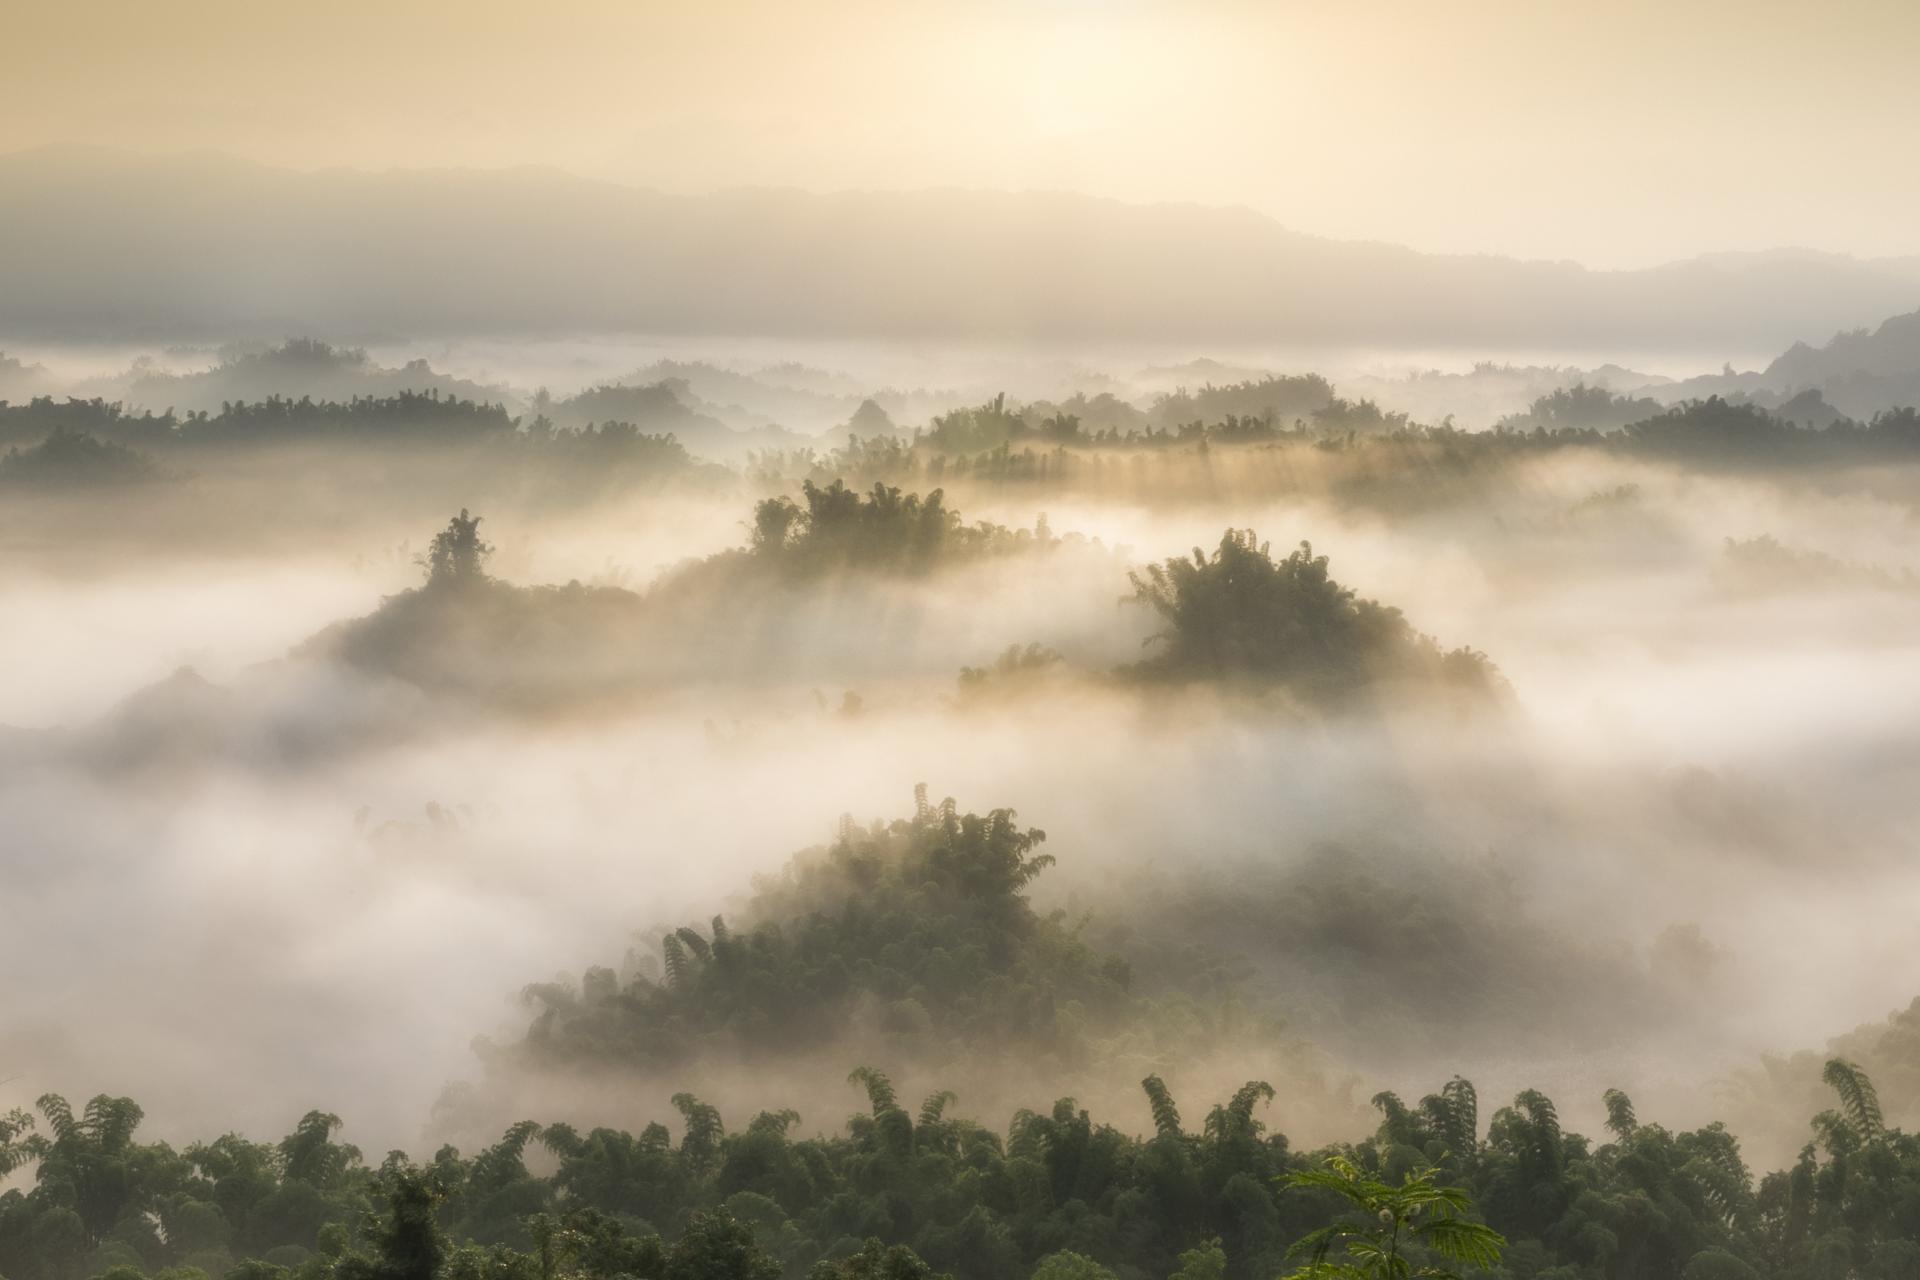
(1614, 134)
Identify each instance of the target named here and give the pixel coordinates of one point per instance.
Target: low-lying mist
(309, 871)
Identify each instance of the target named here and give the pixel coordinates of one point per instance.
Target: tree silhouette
(457, 557)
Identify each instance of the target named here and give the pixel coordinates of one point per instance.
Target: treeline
(78, 441)
(1352, 452)
(404, 415)
(904, 1193)
(834, 527)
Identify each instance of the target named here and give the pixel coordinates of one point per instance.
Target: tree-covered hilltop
(916, 934)
(73, 459)
(1240, 614)
(464, 633)
(905, 1192)
(473, 634)
(836, 528)
(1581, 408)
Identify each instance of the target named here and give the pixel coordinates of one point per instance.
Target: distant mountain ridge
(1858, 372)
(97, 244)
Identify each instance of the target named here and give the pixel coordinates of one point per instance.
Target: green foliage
(407, 1243)
(883, 530)
(1859, 1101)
(980, 427)
(1265, 400)
(1068, 1265)
(73, 458)
(1241, 613)
(457, 557)
(1581, 408)
(1206, 1261)
(919, 930)
(1620, 1118)
(876, 1261)
(896, 1196)
(1398, 1228)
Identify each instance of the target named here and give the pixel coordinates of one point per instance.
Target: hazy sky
(1612, 133)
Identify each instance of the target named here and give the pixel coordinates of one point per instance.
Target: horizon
(1781, 250)
(1466, 130)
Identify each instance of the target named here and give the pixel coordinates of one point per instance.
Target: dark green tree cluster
(423, 419)
(1277, 398)
(105, 1204)
(1358, 454)
(918, 931)
(1581, 408)
(68, 458)
(836, 528)
(904, 1194)
(457, 556)
(978, 427)
(104, 419)
(406, 415)
(1240, 613)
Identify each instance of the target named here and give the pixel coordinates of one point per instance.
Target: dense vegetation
(426, 431)
(917, 944)
(406, 415)
(71, 458)
(902, 1193)
(470, 633)
(1240, 613)
(838, 528)
(916, 934)
(1237, 616)
(1244, 441)
(1351, 453)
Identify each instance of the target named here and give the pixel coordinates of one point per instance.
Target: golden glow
(1613, 133)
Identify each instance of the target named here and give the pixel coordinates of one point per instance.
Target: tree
(1203, 1262)
(1396, 1227)
(1068, 1265)
(408, 1243)
(1859, 1100)
(1240, 613)
(717, 1246)
(457, 556)
(875, 1261)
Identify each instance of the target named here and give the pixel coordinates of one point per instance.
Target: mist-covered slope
(99, 242)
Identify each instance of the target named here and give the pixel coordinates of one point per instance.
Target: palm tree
(1395, 1228)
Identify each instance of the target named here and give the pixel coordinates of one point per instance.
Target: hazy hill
(298, 367)
(1859, 372)
(100, 243)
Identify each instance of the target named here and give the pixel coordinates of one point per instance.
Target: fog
(259, 863)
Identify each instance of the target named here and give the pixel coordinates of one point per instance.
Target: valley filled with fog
(1021, 640)
(295, 810)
